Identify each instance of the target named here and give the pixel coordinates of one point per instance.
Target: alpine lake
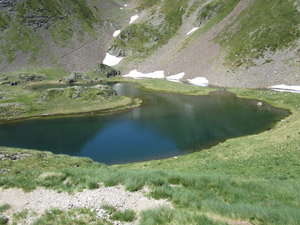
(165, 125)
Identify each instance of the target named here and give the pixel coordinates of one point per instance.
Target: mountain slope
(73, 33)
(245, 43)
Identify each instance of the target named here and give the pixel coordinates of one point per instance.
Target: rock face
(105, 70)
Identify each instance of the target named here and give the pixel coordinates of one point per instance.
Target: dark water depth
(167, 125)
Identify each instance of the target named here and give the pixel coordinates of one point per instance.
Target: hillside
(241, 43)
(72, 34)
(244, 43)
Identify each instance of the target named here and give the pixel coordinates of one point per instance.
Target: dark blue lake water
(166, 125)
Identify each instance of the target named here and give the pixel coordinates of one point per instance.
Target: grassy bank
(252, 179)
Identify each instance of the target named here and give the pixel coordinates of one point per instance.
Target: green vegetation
(225, 8)
(18, 38)
(74, 217)
(3, 208)
(275, 25)
(253, 178)
(63, 19)
(141, 39)
(124, 216)
(27, 100)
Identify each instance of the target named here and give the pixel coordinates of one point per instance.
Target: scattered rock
(11, 83)
(4, 170)
(11, 109)
(12, 157)
(48, 93)
(31, 78)
(105, 70)
(77, 91)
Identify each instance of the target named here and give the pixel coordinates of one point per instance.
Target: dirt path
(41, 199)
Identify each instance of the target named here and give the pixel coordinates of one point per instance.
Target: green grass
(74, 217)
(226, 8)
(3, 208)
(19, 38)
(124, 216)
(276, 25)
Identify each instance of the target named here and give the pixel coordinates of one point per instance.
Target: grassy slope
(63, 19)
(264, 25)
(140, 42)
(253, 178)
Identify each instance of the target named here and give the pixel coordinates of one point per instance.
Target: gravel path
(41, 199)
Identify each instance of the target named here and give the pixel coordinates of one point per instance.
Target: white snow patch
(135, 74)
(121, 8)
(192, 30)
(125, 5)
(285, 88)
(133, 18)
(111, 60)
(199, 81)
(176, 77)
(116, 33)
(176, 81)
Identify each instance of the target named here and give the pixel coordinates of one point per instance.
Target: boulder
(105, 70)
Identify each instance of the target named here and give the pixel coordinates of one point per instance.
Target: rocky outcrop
(107, 71)
(31, 78)
(206, 14)
(116, 51)
(95, 93)
(74, 77)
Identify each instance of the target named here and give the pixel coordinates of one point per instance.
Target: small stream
(166, 125)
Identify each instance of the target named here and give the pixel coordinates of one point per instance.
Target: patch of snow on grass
(111, 60)
(199, 81)
(176, 78)
(192, 30)
(116, 33)
(135, 74)
(125, 5)
(285, 88)
(133, 18)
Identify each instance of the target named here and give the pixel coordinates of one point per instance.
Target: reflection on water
(167, 125)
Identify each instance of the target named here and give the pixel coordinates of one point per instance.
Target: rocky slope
(241, 43)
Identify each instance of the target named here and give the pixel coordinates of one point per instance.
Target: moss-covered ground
(252, 179)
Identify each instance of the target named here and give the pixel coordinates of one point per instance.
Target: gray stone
(32, 78)
(116, 51)
(105, 70)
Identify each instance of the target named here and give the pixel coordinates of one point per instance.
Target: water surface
(166, 125)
